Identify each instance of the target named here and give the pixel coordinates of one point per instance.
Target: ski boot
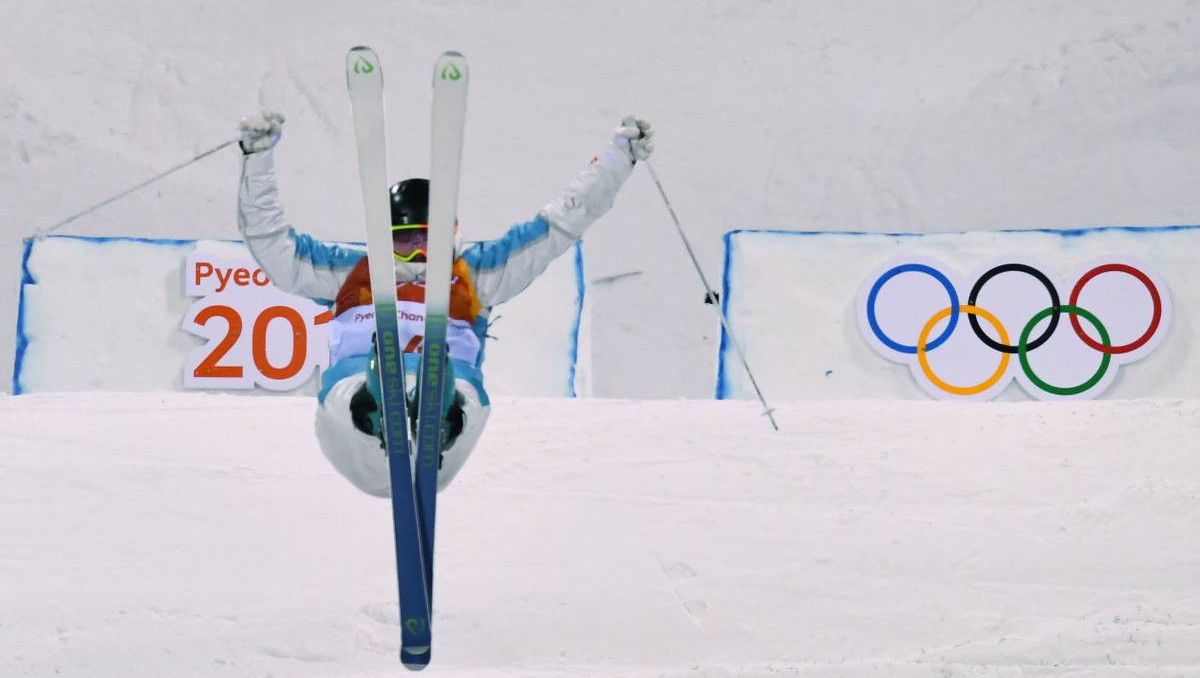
(453, 415)
(364, 404)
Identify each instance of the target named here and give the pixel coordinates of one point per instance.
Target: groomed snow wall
(110, 314)
(795, 300)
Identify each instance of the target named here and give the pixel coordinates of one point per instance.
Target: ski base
(364, 80)
(413, 481)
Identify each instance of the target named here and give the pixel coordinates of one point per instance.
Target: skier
(485, 274)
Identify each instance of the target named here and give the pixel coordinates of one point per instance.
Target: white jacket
(500, 268)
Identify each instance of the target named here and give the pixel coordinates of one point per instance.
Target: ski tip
(414, 661)
(362, 61)
(451, 67)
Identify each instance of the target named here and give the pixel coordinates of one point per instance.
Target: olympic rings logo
(911, 313)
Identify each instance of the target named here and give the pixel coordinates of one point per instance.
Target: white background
(109, 316)
(927, 115)
(806, 338)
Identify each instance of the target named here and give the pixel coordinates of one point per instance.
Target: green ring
(1022, 351)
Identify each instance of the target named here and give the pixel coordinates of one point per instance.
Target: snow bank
(109, 314)
(197, 535)
(793, 300)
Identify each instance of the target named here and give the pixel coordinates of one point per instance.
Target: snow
(205, 535)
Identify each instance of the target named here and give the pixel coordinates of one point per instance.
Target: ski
(364, 79)
(449, 118)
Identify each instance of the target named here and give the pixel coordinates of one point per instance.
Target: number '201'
(210, 366)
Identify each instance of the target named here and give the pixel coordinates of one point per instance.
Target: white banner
(841, 315)
(968, 336)
(257, 334)
(138, 314)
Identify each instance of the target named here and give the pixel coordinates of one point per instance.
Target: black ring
(1018, 268)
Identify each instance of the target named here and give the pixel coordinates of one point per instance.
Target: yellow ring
(951, 388)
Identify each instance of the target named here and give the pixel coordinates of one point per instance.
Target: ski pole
(41, 232)
(710, 296)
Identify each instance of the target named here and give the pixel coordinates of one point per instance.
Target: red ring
(1140, 341)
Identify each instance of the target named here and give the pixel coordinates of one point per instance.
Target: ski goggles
(410, 241)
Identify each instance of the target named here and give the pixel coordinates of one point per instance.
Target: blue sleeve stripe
(493, 254)
(474, 376)
(320, 254)
(343, 368)
(480, 328)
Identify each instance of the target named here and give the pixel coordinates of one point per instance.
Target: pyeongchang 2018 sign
(1059, 334)
(257, 334)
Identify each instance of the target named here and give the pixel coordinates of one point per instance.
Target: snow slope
(870, 115)
(198, 535)
(192, 535)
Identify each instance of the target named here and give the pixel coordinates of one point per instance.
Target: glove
(260, 131)
(634, 138)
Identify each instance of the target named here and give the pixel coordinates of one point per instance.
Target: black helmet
(410, 202)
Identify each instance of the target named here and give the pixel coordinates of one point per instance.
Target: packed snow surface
(203, 535)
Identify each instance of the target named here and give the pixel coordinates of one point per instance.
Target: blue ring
(912, 268)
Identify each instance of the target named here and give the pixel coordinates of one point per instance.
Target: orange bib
(464, 304)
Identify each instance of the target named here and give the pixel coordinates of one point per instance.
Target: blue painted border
(580, 291)
(28, 279)
(721, 392)
(1065, 232)
(22, 338)
(121, 238)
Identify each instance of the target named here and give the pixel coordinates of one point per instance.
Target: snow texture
(205, 535)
